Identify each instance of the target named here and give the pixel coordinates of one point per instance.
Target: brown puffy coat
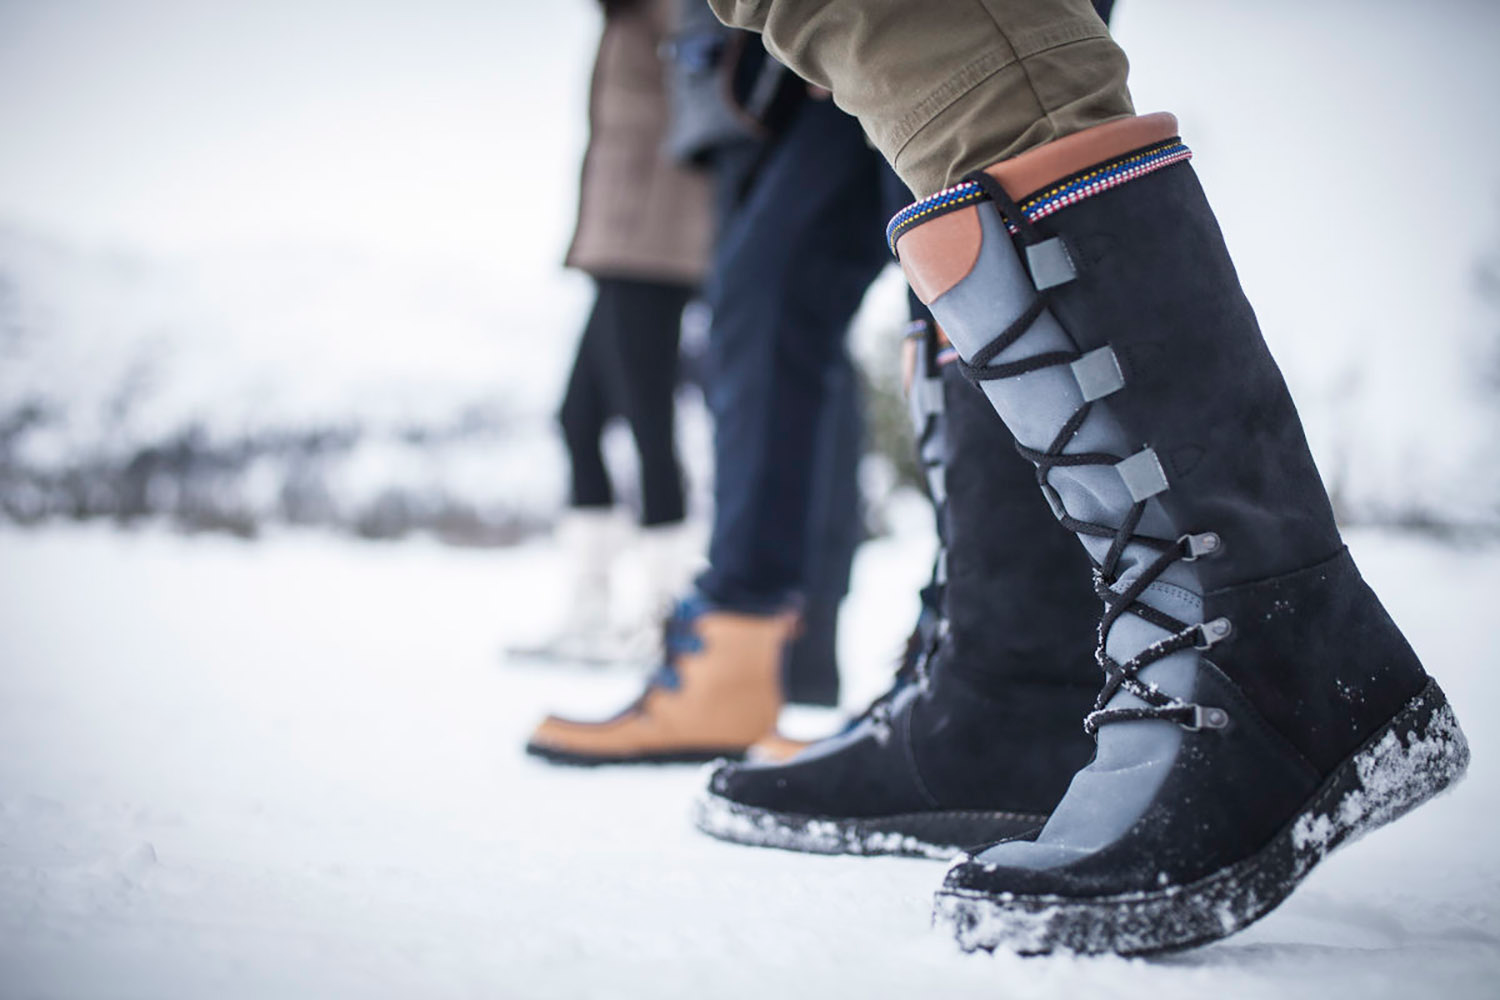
(639, 214)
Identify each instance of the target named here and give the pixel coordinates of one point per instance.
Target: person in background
(802, 198)
(644, 235)
(803, 204)
(731, 107)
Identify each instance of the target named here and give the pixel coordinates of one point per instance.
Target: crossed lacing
(1117, 676)
(678, 636)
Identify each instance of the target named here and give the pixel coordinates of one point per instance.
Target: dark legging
(627, 366)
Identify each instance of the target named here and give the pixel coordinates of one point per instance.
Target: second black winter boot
(810, 675)
(1259, 706)
(983, 743)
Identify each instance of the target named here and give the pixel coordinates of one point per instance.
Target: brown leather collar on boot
(936, 255)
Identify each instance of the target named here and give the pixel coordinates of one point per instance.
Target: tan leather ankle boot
(718, 693)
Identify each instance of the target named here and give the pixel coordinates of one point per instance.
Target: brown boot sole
(570, 758)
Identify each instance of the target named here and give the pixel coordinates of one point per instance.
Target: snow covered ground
(293, 768)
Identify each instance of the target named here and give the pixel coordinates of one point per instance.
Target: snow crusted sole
(1420, 752)
(935, 835)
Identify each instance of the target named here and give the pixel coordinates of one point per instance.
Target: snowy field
(293, 768)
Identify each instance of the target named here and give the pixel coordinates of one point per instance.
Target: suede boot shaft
(1190, 394)
(1018, 601)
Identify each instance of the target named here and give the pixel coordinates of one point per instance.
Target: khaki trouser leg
(943, 87)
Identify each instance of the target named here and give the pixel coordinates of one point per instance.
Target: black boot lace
(1117, 676)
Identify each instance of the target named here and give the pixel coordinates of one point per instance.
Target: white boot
(663, 558)
(590, 538)
(665, 553)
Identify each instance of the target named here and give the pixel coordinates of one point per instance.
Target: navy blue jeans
(792, 265)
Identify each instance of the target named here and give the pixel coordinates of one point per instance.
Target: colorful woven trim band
(1066, 192)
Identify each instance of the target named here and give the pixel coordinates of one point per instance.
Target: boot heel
(1415, 756)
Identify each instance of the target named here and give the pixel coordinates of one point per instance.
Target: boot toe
(987, 874)
(760, 785)
(561, 738)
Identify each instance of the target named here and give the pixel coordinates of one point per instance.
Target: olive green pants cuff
(1004, 114)
(943, 88)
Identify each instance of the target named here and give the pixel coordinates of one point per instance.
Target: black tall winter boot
(810, 675)
(1259, 706)
(983, 744)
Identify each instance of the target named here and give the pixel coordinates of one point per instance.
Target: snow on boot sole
(1416, 755)
(935, 835)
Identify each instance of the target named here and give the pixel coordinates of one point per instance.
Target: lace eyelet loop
(1213, 632)
(1206, 717)
(1195, 547)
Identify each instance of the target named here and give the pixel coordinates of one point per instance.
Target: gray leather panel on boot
(1036, 405)
(1109, 795)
